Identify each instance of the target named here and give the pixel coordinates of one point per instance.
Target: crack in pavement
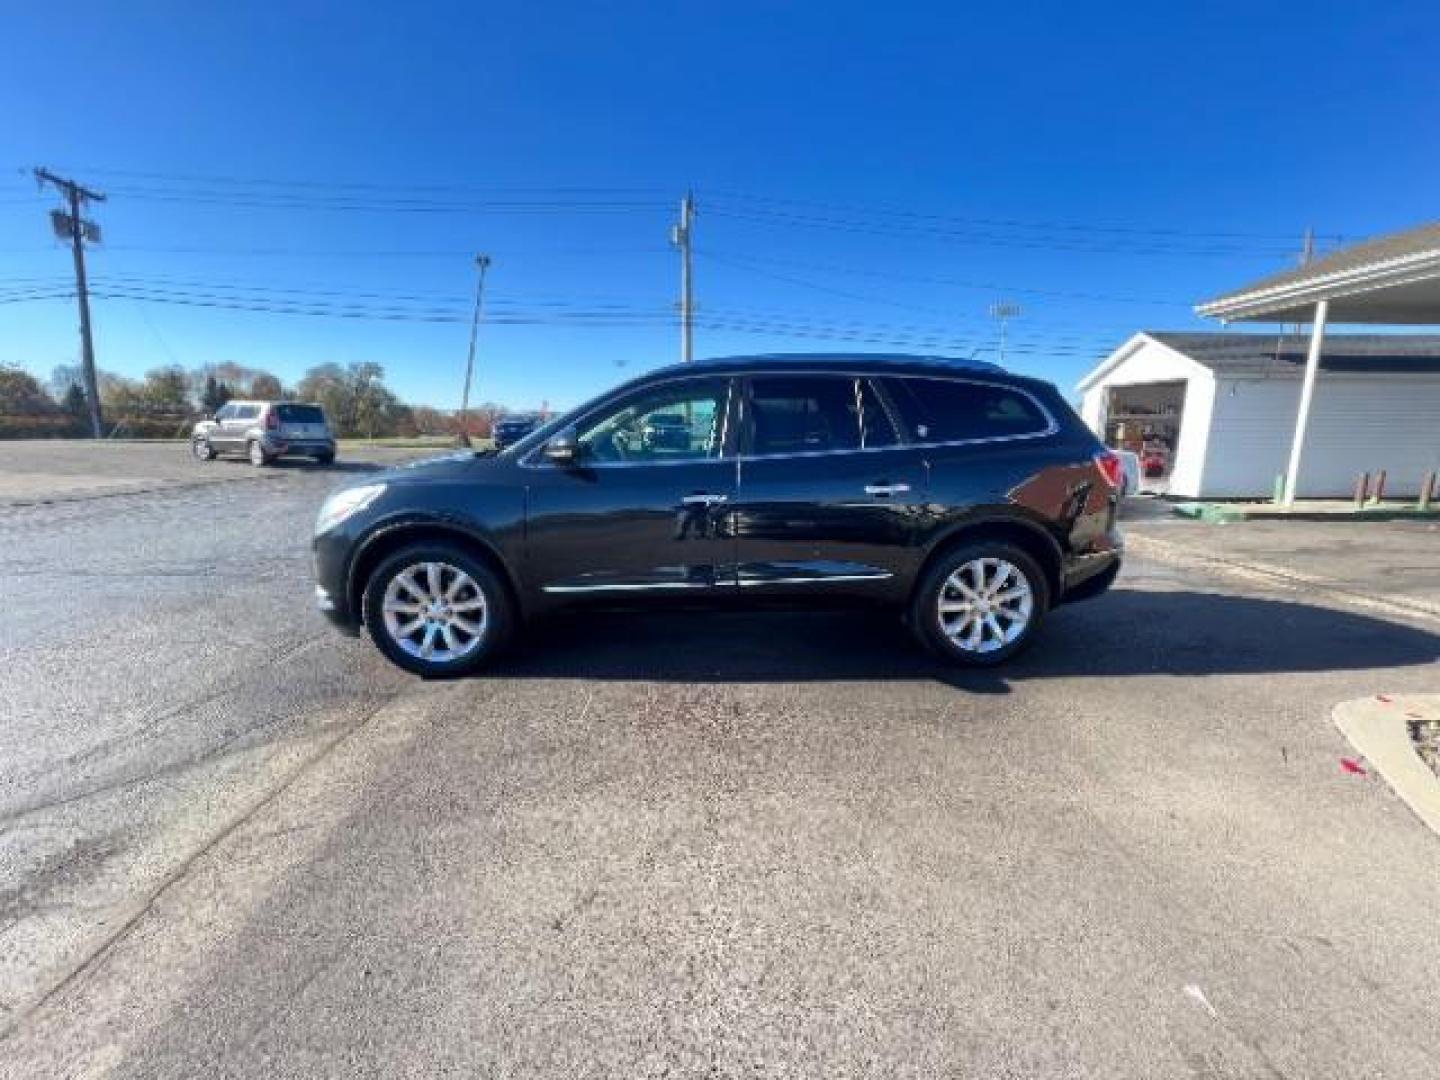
(91, 959)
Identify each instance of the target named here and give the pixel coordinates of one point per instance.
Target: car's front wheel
(202, 449)
(258, 457)
(436, 610)
(981, 603)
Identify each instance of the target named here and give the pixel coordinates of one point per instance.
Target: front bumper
(329, 552)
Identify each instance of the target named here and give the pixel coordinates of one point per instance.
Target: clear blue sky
(861, 170)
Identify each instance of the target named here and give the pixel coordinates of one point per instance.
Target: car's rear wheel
(325, 459)
(436, 610)
(258, 457)
(981, 603)
(202, 449)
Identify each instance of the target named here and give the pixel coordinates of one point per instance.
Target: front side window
(676, 422)
(950, 410)
(225, 412)
(246, 412)
(816, 414)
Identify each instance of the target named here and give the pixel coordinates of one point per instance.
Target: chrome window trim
(1052, 426)
(727, 410)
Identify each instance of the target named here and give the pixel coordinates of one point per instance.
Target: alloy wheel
(435, 612)
(985, 605)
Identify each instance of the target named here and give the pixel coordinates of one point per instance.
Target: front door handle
(886, 489)
(704, 500)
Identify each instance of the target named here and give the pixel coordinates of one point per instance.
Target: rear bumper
(1092, 579)
(277, 446)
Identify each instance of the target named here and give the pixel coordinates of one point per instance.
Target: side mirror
(563, 448)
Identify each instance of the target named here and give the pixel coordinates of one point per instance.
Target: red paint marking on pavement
(1350, 765)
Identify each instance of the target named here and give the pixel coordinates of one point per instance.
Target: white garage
(1214, 413)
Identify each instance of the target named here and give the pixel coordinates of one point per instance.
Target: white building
(1224, 405)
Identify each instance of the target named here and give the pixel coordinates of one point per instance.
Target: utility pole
(71, 225)
(680, 238)
(1004, 311)
(483, 263)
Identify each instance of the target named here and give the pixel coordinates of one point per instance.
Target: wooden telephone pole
(680, 235)
(72, 225)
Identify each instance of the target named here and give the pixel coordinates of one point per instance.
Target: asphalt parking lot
(233, 843)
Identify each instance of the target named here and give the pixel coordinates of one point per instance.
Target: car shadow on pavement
(1125, 633)
(306, 465)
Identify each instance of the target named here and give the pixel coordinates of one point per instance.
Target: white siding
(1152, 362)
(1187, 475)
(1357, 423)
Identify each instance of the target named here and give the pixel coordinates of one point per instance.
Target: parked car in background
(512, 429)
(264, 431)
(969, 498)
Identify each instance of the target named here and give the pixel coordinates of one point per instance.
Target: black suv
(972, 499)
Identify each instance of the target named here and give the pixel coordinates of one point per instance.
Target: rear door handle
(704, 500)
(886, 489)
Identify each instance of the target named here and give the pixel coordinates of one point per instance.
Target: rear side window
(815, 414)
(949, 410)
(246, 412)
(300, 414)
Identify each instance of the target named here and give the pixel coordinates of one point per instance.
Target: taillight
(272, 420)
(1113, 468)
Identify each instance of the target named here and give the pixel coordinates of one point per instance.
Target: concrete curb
(1276, 576)
(1379, 731)
(120, 490)
(1223, 514)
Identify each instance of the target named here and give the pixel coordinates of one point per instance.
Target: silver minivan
(264, 431)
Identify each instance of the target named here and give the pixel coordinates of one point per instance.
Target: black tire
(928, 623)
(324, 459)
(202, 449)
(256, 453)
(499, 613)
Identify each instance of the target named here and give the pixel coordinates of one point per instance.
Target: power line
(21, 298)
(378, 205)
(1015, 223)
(165, 281)
(917, 231)
(328, 185)
(749, 262)
(323, 300)
(352, 253)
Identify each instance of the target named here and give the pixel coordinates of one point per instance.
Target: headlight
(345, 504)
